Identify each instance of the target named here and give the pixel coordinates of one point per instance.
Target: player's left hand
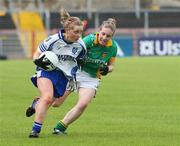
(80, 62)
(104, 70)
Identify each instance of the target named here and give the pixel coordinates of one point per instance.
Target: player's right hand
(40, 62)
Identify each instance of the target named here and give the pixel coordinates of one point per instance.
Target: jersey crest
(104, 54)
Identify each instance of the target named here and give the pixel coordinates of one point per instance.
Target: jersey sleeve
(45, 45)
(84, 49)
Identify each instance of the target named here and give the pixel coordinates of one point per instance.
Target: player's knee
(82, 106)
(47, 100)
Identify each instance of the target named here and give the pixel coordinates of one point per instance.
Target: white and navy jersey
(66, 52)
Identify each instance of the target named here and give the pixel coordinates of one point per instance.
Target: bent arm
(111, 64)
(36, 54)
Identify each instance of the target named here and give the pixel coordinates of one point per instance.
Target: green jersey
(100, 54)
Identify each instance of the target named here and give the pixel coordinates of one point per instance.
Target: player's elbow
(111, 68)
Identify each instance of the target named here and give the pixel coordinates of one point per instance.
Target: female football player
(68, 46)
(101, 53)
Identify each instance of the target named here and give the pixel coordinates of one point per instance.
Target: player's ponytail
(68, 21)
(64, 15)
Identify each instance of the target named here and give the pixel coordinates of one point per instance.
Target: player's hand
(80, 61)
(40, 62)
(104, 70)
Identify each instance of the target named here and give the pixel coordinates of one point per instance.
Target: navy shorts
(57, 78)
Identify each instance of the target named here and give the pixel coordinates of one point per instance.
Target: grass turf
(137, 105)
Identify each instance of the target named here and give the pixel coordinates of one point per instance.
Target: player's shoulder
(51, 38)
(91, 36)
(89, 39)
(81, 42)
(114, 45)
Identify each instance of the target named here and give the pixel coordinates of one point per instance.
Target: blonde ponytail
(68, 21)
(64, 15)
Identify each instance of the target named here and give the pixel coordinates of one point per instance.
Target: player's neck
(67, 39)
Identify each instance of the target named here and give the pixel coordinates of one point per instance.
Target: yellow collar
(96, 42)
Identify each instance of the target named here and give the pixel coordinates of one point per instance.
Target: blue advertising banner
(125, 45)
(159, 45)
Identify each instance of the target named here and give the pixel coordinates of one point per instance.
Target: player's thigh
(86, 95)
(45, 87)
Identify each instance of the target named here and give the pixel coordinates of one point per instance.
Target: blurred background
(144, 27)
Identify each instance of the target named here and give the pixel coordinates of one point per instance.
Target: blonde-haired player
(101, 53)
(68, 46)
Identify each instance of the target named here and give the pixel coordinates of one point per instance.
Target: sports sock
(61, 126)
(37, 127)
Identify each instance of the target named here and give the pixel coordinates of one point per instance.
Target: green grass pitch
(136, 105)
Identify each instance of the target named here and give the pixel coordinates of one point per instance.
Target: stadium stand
(167, 4)
(126, 19)
(6, 19)
(16, 19)
(164, 19)
(33, 30)
(10, 45)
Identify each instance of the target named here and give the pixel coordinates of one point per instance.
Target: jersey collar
(61, 36)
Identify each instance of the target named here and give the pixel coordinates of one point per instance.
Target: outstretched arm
(105, 69)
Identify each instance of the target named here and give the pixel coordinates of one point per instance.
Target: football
(50, 57)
